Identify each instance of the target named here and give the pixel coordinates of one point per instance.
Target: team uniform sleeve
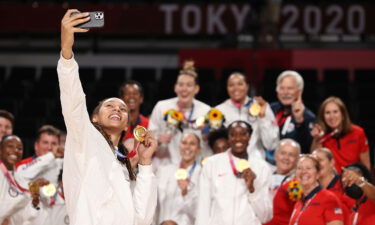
(260, 198)
(268, 130)
(363, 142)
(333, 210)
(28, 172)
(145, 195)
(73, 100)
(204, 196)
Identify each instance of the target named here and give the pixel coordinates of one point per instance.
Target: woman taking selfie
(97, 171)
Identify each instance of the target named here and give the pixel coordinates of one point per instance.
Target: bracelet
(363, 183)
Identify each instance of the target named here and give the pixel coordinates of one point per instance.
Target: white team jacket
(97, 187)
(265, 130)
(225, 200)
(158, 125)
(12, 199)
(45, 166)
(171, 204)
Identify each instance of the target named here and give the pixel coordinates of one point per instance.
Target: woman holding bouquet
(171, 118)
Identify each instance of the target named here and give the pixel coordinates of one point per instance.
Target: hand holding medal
(181, 176)
(144, 143)
(258, 108)
(41, 187)
(244, 171)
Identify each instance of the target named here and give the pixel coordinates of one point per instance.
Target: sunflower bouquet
(294, 191)
(173, 118)
(214, 119)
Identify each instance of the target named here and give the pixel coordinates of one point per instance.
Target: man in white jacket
(97, 171)
(48, 159)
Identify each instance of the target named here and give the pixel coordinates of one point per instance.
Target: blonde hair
(189, 69)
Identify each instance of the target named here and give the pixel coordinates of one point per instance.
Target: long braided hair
(121, 147)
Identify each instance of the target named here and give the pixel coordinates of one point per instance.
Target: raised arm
(73, 101)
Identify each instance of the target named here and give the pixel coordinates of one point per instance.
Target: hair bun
(189, 69)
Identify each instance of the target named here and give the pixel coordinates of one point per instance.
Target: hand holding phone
(96, 20)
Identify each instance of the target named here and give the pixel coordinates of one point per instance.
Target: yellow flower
(215, 114)
(294, 190)
(177, 115)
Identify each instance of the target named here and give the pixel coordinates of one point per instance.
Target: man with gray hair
(286, 157)
(295, 121)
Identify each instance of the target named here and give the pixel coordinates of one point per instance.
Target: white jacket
(45, 166)
(158, 125)
(225, 200)
(12, 199)
(265, 130)
(97, 186)
(171, 204)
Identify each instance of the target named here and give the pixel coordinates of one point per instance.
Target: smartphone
(96, 21)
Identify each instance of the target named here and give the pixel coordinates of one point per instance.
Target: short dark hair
(364, 171)
(216, 135)
(121, 91)
(7, 115)
(48, 129)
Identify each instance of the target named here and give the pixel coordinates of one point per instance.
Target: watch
(363, 182)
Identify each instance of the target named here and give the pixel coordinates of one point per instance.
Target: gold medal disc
(181, 174)
(242, 165)
(49, 190)
(139, 133)
(254, 109)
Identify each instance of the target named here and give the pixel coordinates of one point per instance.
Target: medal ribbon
(53, 198)
(323, 139)
(130, 154)
(239, 105)
(183, 114)
(11, 180)
(235, 171)
(304, 207)
(191, 169)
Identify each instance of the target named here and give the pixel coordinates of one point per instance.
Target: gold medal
(242, 165)
(254, 109)
(200, 121)
(139, 133)
(49, 190)
(33, 188)
(181, 174)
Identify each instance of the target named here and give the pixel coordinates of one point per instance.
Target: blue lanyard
(192, 170)
(190, 114)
